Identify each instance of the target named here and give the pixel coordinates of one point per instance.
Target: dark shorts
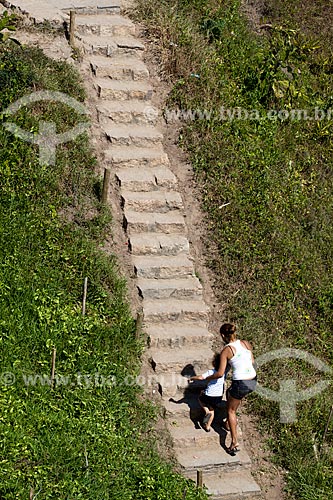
(241, 388)
(210, 401)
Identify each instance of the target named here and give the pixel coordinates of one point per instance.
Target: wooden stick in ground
(84, 300)
(326, 428)
(106, 183)
(32, 492)
(54, 353)
(199, 478)
(72, 19)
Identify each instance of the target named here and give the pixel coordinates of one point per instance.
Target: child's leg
(209, 422)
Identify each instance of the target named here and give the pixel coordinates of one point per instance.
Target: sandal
(232, 450)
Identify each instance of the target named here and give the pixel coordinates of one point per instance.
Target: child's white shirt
(215, 387)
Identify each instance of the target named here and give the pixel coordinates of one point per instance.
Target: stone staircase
(175, 314)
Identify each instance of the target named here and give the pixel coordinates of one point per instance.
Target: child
(212, 395)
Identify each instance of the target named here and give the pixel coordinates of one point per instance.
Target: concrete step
(229, 484)
(122, 89)
(143, 136)
(178, 335)
(119, 68)
(169, 310)
(209, 457)
(183, 288)
(153, 201)
(155, 266)
(114, 25)
(90, 7)
(171, 384)
(138, 179)
(175, 360)
(139, 222)
(111, 46)
(186, 405)
(125, 156)
(158, 244)
(134, 112)
(183, 406)
(185, 434)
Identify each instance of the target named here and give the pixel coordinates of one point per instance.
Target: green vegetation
(89, 437)
(267, 189)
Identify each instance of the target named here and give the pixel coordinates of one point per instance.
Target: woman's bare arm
(223, 365)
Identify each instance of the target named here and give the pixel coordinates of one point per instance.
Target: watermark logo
(47, 138)
(288, 396)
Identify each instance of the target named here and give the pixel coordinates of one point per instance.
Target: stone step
(183, 406)
(158, 244)
(111, 46)
(155, 266)
(177, 335)
(153, 201)
(119, 68)
(89, 7)
(186, 405)
(135, 112)
(122, 89)
(139, 180)
(125, 156)
(169, 310)
(114, 25)
(171, 384)
(183, 288)
(228, 484)
(143, 136)
(139, 222)
(186, 434)
(209, 457)
(176, 360)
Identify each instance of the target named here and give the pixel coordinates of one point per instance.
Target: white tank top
(241, 362)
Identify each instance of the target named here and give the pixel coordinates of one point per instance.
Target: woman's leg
(232, 406)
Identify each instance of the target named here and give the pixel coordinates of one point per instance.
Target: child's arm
(197, 377)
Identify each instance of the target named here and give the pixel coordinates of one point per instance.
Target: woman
(237, 354)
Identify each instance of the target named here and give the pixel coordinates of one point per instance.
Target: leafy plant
(7, 25)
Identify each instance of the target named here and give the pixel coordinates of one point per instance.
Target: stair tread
(157, 260)
(190, 282)
(124, 130)
(132, 105)
(191, 355)
(172, 216)
(135, 152)
(209, 456)
(103, 20)
(109, 84)
(84, 4)
(230, 483)
(174, 305)
(117, 60)
(137, 179)
(128, 41)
